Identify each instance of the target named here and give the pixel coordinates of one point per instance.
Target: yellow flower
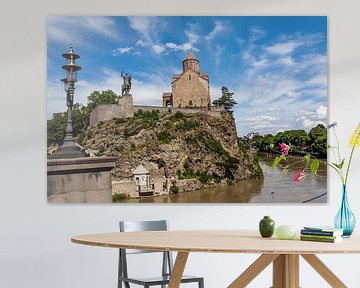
(355, 138)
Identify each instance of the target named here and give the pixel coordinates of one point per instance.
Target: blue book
(322, 231)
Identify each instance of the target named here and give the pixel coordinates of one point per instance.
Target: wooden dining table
(283, 254)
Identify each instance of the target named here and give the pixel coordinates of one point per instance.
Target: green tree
(318, 136)
(226, 100)
(317, 132)
(268, 141)
(56, 126)
(103, 97)
(56, 129)
(80, 117)
(294, 137)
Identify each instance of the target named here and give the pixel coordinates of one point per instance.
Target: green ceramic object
(285, 232)
(266, 227)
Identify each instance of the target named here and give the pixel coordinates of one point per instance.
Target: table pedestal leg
(286, 271)
(253, 270)
(178, 270)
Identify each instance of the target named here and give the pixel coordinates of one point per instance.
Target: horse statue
(126, 86)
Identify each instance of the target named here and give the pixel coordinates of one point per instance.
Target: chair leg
(201, 283)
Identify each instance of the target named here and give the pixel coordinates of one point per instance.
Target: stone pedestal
(80, 180)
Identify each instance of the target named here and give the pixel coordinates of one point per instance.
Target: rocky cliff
(173, 145)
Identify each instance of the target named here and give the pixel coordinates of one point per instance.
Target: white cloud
(144, 25)
(158, 49)
(321, 112)
(287, 61)
(256, 33)
(307, 123)
(260, 63)
(78, 30)
(183, 47)
(192, 36)
(262, 118)
(218, 28)
(141, 43)
(122, 50)
(311, 118)
(283, 48)
(293, 94)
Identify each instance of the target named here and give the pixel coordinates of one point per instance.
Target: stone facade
(189, 89)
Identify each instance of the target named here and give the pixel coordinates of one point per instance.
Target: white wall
(35, 248)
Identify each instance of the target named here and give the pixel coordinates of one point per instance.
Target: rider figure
(125, 88)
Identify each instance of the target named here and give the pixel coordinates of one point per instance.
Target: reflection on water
(275, 187)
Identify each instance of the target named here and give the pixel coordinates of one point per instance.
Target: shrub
(215, 146)
(186, 125)
(174, 189)
(164, 137)
(160, 162)
(119, 147)
(89, 134)
(179, 115)
(120, 197)
(120, 120)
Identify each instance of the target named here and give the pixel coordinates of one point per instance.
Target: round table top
(220, 241)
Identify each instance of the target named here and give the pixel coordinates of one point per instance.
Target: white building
(141, 176)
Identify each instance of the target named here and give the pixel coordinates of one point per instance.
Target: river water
(275, 187)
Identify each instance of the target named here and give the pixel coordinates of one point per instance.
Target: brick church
(190, 89)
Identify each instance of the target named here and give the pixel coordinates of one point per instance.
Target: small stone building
(190, 89)
(141, 176)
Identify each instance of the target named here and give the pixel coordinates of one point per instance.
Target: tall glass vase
(345, 219)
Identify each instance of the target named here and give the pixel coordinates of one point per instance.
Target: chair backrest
(134, 226)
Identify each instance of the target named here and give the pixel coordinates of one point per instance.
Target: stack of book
(321, 234)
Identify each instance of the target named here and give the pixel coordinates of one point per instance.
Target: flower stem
(348, 167)
(339, 160)
(351, 155)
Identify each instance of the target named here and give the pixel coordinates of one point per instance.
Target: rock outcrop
(176, 146)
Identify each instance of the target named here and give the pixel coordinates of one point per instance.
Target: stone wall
(107, 112)
(125, 187)
(214, 111)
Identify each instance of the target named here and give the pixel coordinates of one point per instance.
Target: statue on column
(126, 86)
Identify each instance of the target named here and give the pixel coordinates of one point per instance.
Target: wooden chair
(167, 262)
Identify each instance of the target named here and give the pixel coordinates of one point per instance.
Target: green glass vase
(266, 227)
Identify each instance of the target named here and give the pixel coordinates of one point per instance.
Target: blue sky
(276, 66)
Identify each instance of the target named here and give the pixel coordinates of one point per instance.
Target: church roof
(140, 170)
(190, 56)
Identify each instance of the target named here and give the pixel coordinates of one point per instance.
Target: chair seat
(158, 280)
